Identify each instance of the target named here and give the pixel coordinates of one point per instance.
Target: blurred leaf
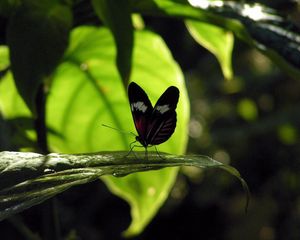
(4, 58)
(247, 109)
(138, 22)
(287, 133)
(28, 179)
(37, 36)
(117, 16)
(217, 40)
(86, 92)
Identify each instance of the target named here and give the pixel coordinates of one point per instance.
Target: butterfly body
(154, 125)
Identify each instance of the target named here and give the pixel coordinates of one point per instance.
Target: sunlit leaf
(87, 91)
(11, 104)
(217, 40)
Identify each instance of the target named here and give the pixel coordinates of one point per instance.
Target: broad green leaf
(215, 39)
(117, 16)
(37, 36)
(87, 91)
(73, 74)
(27, 179)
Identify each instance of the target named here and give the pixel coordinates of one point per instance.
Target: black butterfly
(154, 125)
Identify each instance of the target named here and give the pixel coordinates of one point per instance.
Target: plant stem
(51, 224)
(40, 121)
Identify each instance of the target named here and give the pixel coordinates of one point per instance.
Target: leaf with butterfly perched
(96, 95)
(87, 91)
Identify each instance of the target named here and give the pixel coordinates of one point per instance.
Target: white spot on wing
(140, 106)
(163, 108)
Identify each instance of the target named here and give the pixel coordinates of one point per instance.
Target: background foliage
(249, 120)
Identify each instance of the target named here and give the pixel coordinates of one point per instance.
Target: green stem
(40, 121)
(51, 226)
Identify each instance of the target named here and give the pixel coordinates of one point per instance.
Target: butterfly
(154, 125)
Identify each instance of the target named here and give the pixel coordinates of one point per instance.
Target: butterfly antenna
(119, 130)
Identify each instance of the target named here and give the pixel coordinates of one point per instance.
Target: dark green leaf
(37, 36)
(117, 16)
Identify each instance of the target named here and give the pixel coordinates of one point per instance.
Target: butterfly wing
(141, 109)
(163, 119)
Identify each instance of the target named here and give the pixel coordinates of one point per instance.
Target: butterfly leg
(159, 153)
(131, 148)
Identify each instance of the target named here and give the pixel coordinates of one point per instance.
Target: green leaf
(16, 114)
(4, 58)
(87, 91)
(117, 16)
(28, 179)
(76, 114)
(11, 104)
(215, 39)
(16, 125)
(37, 36)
